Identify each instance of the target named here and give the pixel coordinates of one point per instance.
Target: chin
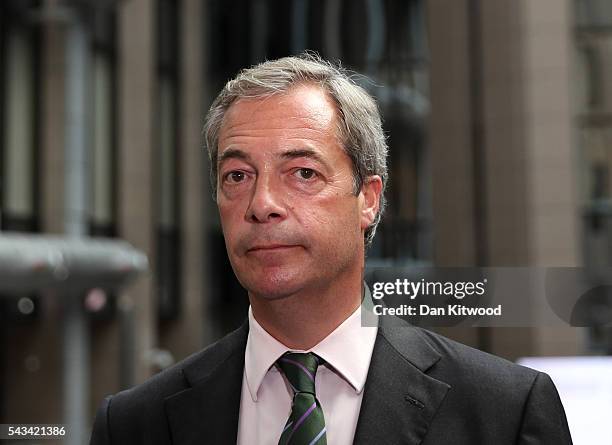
(273, 286)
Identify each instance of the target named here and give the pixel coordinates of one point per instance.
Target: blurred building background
(499, 115)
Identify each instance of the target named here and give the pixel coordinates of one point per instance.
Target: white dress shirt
(266, 397)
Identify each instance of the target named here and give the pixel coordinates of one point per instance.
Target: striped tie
(306, 424)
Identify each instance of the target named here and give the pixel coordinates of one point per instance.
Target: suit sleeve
(100, 434)
(544, 420)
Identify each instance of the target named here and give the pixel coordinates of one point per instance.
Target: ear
(370, 200)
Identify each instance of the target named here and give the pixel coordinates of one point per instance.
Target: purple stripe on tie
(301, 420)
(299, 365)
(317, 437)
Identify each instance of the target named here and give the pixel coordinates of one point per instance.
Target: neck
(300, 321)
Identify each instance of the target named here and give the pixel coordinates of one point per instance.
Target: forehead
(305, 107)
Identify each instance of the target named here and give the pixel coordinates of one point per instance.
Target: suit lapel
(399, 399)
(207, 411)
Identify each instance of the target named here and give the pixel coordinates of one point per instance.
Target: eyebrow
(235, 153)
(303, 153)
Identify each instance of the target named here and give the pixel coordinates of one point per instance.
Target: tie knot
(300, 369)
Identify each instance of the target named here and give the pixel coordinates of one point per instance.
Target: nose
(266, 203)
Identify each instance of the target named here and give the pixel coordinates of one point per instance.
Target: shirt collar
(348, 349)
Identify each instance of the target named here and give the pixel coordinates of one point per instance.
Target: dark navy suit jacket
(422, 388)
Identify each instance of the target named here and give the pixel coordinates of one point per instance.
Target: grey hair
(359, 122)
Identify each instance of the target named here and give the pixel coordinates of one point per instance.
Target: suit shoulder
(137, 415)
(460, 363)
(181, 375)
(483, 387)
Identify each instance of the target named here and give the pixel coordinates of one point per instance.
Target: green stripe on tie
(306, 424)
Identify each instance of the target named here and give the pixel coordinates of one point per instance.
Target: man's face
(285, 193)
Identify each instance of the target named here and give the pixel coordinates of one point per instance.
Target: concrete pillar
(450, 138)
(185, 335)
(527, 133)
(501, 144)
(450, 142)
(136, 106)
(553, 218)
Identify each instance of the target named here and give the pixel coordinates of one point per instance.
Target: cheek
(332, 218)
(228, 216)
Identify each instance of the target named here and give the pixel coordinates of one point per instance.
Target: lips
(270, 247)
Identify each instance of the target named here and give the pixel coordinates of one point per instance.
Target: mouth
(271, 247)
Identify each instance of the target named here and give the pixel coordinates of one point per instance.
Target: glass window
(103, 160)
(18, 120)
(593, 108)
(168, 228)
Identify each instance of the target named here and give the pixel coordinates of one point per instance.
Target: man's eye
(305, 173)
(235, 176)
